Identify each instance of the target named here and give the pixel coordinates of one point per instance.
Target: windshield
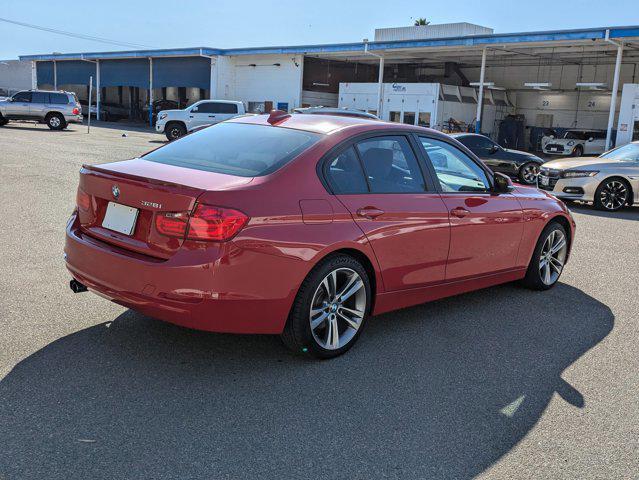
(628, 152)
(236, 149)
(577, 135)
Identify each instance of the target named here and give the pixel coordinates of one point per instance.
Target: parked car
(56, 109)
(575, 143)
(335, 111)
(303, 226)
(610, 181)
(177, 123)
(516, 164)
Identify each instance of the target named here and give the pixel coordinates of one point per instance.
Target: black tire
(578, 151)
(174, 130)
(297, 334)
(533, 278)
(524, 172)
(55, 121)
(3, 121)
(613, 194)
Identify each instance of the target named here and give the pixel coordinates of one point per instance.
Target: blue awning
(132, 72)
(182, 72)
(75, 72)
(44, 73)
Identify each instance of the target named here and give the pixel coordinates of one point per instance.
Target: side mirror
(591, 139)
(494, 149)
(194, 110)
(502, 183)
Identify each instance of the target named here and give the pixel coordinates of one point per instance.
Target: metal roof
(543, 37)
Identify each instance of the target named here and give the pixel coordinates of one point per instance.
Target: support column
(55, 75)
(613, 97)
(98, 90)
(34, 75)
(213, 80)
(380, 88)
(150, 92)
(480, 96)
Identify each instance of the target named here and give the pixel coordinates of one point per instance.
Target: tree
(421, 21)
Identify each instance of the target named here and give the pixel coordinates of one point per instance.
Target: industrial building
(452, 76)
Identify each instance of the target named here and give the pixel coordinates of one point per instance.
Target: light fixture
(538, 85)
(489, 85)
(599, 86)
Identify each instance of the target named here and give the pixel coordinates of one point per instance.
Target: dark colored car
(304, 226)
(520, 165)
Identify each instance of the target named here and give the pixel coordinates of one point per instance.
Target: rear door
(39, 104)
(380, 182)
(486, 228)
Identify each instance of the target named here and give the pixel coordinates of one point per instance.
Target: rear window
(236, 149)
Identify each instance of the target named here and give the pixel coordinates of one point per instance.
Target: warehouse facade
(553, 79)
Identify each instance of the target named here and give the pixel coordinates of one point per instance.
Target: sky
(247, 23)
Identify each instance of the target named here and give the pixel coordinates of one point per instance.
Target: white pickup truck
(177, 123)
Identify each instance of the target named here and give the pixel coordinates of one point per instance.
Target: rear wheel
(174, 130)
(55, 121)
(330, 309)
(612, 194)
(528, 173)
(548, 259)
(3, 121)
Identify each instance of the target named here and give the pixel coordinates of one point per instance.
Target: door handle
(370, 212)
(190, 116)
(459, 212)
(211, 116)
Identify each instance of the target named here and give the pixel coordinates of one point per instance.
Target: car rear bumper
(74, 118)
(218, 289)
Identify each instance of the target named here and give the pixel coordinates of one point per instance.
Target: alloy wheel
(338, 308)
(553, 257)
(54, 121)
(529, 173)
(613, 195)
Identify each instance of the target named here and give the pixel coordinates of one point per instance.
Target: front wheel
(548, 259)
(528, 173)
(612, 194)
(578, 151)
(174, 130)
(3, 121)
(330, 309)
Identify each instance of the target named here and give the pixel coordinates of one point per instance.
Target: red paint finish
(418, 246)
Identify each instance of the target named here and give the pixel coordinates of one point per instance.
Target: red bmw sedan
(306, 225)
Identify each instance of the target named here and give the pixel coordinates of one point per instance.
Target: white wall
(238, 79)
(15, 75)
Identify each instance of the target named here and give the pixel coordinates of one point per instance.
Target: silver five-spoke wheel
(529, 173)
(553, 257)
(337, 308)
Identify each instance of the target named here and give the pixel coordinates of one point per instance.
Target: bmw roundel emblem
(116, 191)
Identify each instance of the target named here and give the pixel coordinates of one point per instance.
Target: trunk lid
(151, 188)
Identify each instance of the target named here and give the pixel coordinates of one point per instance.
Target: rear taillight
(82, 200)
(172, 224)
(208, 223)
(215, 223)
(76, 111)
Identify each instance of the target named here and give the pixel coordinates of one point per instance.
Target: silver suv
(56, 109)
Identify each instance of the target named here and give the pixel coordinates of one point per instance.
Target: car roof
(312, 123)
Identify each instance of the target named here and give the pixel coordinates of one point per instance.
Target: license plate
(554, 149)
(120, 218)
(544, 180)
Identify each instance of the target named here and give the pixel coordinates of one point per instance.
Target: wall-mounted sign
(398, 88)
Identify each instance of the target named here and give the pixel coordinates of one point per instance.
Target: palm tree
(421, 21)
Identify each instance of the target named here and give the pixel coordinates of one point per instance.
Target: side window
(39, 97)
(345, 174)
(390, 165)
(456, 172)
(22, 97)
(476, 143)
(58, 99)
(214, 107)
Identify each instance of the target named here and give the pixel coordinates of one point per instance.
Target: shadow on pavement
(442, 390)
(626, 213)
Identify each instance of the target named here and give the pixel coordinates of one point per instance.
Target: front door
(19, 107)
(380, 182)
(486, 228)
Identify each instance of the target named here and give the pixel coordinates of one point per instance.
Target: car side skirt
(386, 302)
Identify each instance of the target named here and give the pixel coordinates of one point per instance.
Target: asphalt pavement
(500, 383)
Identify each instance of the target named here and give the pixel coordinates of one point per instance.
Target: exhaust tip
(77, 287)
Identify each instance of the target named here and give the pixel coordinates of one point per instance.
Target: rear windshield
(238, 149)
